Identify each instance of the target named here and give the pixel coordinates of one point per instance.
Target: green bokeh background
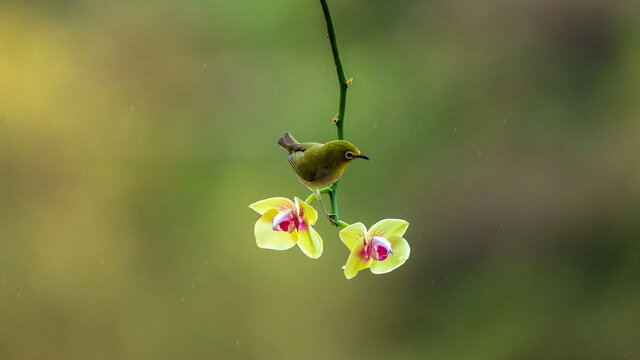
(133, 135)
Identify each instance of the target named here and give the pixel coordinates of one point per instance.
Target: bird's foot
(333, 218)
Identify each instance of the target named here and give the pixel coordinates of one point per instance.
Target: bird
(319, 165)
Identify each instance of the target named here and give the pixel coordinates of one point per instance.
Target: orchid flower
(284, 224)
(382, 248)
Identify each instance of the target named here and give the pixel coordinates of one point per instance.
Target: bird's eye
(348, 155)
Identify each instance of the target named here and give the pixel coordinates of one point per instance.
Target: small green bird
(319, 165)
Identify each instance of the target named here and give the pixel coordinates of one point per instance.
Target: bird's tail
(287, 142)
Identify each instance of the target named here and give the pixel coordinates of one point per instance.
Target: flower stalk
(339, 118)
(284, 223)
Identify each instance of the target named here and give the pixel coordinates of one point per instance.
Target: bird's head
(342, 151)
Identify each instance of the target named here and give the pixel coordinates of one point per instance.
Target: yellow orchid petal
(309, 213)
(310, 243)
(355, 262)
(267, 238)
(352, 234)
(387, 228)
(401, 252)
(278, 203)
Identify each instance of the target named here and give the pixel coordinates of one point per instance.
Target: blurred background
(134, 135)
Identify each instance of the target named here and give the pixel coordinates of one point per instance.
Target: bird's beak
(363, 156)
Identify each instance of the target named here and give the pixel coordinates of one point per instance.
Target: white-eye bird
(319, 165)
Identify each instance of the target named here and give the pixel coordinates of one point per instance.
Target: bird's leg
(332, 217)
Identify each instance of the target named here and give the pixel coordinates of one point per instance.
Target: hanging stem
(339, 118)
(342, 78)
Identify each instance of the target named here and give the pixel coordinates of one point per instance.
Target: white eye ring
(348, 155)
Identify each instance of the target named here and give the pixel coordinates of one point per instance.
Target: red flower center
(377, 248)
(287, 220)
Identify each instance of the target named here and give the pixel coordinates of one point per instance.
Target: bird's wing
(301, 160)
(294, 158)
(304, 146)
(296, 147)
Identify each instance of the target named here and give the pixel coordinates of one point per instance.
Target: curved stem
(344, 84)
(341, 224)
(309, 199)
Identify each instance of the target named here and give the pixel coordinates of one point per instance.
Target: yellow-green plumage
(319, 165)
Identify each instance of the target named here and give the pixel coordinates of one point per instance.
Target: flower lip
(286, 220)
(378, 248)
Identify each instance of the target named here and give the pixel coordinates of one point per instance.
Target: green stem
(309, 199)
(327, 190)
(333, 198)
(341, 224)
(342, 78)
(344, 84)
